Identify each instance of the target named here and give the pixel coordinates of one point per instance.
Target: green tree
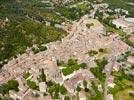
(10, 85)
(72, 62)
(32, 85)
(83, 65)
(101, 63)
(13, 85)
(62, 89)
(66, 98)
(78, 89)
(42, 77)
(49, 83)
(92, 53)
(4, 89)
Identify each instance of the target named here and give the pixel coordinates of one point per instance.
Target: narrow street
(107, 77)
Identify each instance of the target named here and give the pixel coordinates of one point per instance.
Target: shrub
(78, 89)
(49, 83)
(89, 25)
(60, 63)
(92, 53)
(131, 94)
(42, 48)
(83, 65)
(35, 50)
(103, 50)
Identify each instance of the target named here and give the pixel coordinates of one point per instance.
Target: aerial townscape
(66, 49)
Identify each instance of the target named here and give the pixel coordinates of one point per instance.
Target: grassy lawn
(124, 95)
(130, 83)
(71, 66)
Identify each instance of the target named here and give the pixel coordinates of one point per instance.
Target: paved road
(76, 28)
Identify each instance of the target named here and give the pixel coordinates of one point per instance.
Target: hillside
(23, 23)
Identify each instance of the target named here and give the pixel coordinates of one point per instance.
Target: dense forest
(23, 23)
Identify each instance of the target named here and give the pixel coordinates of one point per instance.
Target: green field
(124, 4)
(124, 94)
(124, 83)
